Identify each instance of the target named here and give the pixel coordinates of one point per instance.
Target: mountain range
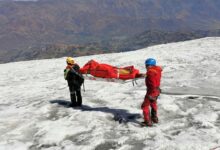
(30, 26)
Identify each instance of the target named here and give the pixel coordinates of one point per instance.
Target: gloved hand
(141, 75)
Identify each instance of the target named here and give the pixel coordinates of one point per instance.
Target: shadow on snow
(120, 115)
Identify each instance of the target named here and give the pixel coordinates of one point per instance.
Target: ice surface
(34, 99)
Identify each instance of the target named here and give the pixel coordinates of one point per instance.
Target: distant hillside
(28, 25)
(145, 39)
(153, 37)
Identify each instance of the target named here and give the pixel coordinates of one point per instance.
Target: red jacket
(152, 80)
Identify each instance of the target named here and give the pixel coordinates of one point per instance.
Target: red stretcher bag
(107, 71)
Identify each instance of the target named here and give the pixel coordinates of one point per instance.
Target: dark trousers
(75, 96)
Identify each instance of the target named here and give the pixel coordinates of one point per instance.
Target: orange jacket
(152, 80)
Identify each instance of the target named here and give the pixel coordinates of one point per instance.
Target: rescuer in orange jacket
(152, 81)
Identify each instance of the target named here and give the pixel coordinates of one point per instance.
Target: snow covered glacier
(34, 98)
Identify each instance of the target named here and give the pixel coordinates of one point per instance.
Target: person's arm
(66, 71)
(76, 73)
(140, 75)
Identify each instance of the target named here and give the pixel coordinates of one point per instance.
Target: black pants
(75, 96)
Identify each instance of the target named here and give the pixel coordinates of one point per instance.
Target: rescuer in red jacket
(152, 81)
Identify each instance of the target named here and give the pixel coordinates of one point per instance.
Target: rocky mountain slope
(25, 25)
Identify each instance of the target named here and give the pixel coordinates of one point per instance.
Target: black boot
(146, 123)
(154, 117)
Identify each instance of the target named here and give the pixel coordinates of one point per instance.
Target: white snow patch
(34, 112)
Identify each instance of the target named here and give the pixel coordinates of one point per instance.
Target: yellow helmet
(70, 60)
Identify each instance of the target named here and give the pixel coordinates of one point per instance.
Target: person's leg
(154, 117)
(72, 96)
(146, 111)
(79, 97)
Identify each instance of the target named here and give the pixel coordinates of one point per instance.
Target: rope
(84, 87)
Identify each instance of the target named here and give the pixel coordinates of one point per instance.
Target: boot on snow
(155, 119)
(146, 124)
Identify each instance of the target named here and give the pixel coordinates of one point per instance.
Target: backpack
(80, 78)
